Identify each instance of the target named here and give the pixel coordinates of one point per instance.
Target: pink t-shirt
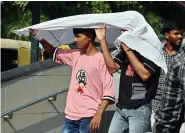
(90, 83)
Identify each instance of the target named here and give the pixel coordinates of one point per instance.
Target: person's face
(82, 40)
(174, 37)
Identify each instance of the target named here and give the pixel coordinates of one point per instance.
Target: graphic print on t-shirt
(81, 77)
(129, 71)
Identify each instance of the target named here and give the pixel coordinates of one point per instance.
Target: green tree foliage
(155, 21)
(100, 7)
(18, 14)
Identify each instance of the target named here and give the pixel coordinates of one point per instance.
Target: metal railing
(51, 97)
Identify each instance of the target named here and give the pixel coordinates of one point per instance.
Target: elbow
(145, 76)
(112, 69)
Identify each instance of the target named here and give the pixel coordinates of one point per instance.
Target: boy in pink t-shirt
(91, 88)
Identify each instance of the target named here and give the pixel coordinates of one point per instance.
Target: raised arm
(46, 45)
(112, 66)
(60, 56)
(143, 69)
(137, 65)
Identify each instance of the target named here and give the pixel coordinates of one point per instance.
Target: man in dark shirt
(138, 84)
(136, 91)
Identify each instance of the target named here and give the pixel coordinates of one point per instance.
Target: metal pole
(35, 20)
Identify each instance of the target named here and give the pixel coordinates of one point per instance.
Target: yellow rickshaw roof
(14, 44)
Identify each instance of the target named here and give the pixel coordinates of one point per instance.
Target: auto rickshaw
(14, 53)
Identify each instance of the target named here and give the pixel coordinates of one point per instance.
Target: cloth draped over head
(137, 33)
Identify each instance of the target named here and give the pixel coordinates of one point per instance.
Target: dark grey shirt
(157, 101)
(171, 111)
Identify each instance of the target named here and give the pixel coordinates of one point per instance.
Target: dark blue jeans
(77, 126)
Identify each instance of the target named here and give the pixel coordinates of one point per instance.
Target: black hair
(85, 31)
(169, 26)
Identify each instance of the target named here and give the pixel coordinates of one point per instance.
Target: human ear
(166, 35)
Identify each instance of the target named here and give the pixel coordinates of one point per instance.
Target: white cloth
(139, 35)
(182, 129)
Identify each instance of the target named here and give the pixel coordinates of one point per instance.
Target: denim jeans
(77, 126)
(131, 120)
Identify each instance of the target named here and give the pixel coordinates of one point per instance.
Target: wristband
(38, 37)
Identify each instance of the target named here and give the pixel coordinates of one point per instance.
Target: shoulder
(76, 51)
(101, 58)
(72, 51)
(179, 58)
(179, 62)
